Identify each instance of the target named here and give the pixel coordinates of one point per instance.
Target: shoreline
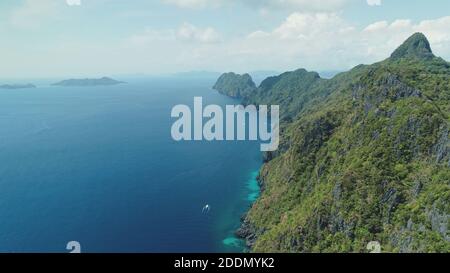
(246, 232)
(245, 236)
(253, 191)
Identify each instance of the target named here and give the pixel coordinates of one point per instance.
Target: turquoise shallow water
(252, 193)
(98, 166)
(253, 187)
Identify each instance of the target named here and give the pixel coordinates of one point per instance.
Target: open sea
(98, 165)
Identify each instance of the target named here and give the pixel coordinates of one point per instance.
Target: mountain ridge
(364, 156)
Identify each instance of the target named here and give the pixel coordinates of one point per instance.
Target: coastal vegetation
(234, 85)
(364, 156)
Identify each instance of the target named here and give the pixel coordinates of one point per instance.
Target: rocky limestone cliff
(234, 85)
(364, 156)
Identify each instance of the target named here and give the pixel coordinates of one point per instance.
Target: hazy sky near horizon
(77, 38)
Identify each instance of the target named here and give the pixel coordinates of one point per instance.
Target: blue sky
(62, 38)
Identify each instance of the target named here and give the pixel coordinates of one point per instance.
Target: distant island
(87, 82)
(17, 86)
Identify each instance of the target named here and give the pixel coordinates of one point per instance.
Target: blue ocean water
(98, 165)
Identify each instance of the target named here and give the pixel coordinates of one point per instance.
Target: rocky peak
(416, 46)
(235, 85)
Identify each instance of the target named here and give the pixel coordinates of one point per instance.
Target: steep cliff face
(365, 156)
(234, 85)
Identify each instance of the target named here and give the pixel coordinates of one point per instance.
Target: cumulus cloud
(309, 25)
(313, 40)
(305, 40)
(377, 26)
(384, 36)
(264, 5)
(318, 5)
(327, 34)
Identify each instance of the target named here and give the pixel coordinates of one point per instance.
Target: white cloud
(310, 39)
(189, 32)
(303, 40)
(387, 36)
(194, 3)
(374, 2)
(73, 2)
(265, 5)
(401, 23)
(327, 41)
(377, 26)
(317, 5)
(258, 34)
(313, 40)
(308, 25)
